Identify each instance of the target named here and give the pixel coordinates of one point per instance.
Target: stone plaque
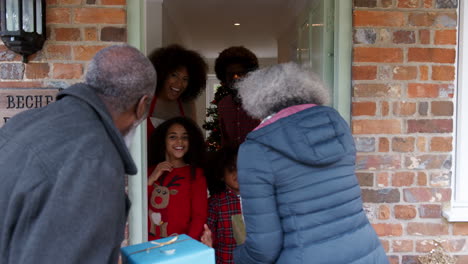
(14, 101)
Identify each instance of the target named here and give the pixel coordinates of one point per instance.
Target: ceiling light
(236, 24)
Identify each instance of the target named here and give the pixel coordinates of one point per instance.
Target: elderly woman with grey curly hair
(301, 200)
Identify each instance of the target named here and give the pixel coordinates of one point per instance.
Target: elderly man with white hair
(301, 200)
(63, 166)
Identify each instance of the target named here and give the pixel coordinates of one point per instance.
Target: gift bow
(158, 245)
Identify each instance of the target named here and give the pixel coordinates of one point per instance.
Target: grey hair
(269, 90)
(121, 75)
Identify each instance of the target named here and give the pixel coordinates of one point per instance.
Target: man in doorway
(63, 166)
(233, 63)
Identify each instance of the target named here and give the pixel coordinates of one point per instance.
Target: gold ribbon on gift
(174, 240)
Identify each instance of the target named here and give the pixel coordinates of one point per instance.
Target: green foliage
(211, 124)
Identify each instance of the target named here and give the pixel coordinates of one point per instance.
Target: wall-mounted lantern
(23, 25)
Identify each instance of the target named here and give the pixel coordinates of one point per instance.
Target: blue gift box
(169, 250)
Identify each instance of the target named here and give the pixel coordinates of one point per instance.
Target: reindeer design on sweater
(160, 200)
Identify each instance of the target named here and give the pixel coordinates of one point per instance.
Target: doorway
(314, 32)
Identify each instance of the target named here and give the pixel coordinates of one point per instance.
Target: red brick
(408, 3)
(380, 196)
(404, 37)
(445, 37)
(115, 34)
(385, 18)
(376, 90)
(391, 126)
(424, 246)
(402, 245)
(393, 259)
(58, 15)
(388, 229)
(67, 34)
(428, 90)
(387, 55)
(364, 108)
(8, 55)
(58, 52)
(421, 144)
(423, 73)
(462, 259)
(384, 108)
(427, 161)
(442, 108)
(440, 179)
(405, 73)
(400, 179)
(443, 144)
(443, 73)
(453, 245)
(37, 70)
(405, 212)
(20, 84)
(51, 2)
(364, 73)
(387, 3)
(460, 229)
(430, 126)
(423, 108)
(100, 16)
(113, 2)
(385, 244)
(365, 179)
(424, 19)
(427, 229)
(403, 144)
(404, 108)
(69, 2)
(422, 179)
(382, 179)
(86, 53)
(67, 71)
(436, 55)
(379, 162)
(428, 4)
(383, 212)
(418, 195)
(384, 145)
(90, 34)
(424, 36)
(430, 211)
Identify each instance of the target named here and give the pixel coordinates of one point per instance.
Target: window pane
(28, 16)
(39, 16)
(12, 15)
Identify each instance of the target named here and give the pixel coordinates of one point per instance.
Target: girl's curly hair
(195, 155)
(234, 55)
(168, 59)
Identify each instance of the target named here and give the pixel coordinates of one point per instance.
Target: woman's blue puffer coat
(300, 196)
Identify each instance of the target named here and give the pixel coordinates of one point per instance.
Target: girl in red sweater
(177, 191)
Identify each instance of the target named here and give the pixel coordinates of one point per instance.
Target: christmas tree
(211, 124)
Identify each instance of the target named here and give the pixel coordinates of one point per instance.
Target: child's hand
(206, 237)
(158, 171)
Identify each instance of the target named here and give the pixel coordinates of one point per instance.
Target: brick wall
(402, 119)
(76, 30)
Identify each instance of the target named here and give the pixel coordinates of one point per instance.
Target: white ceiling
(208, 25)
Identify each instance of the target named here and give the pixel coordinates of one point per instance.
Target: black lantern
(23, 25)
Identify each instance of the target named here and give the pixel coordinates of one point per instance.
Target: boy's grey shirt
(62, 183)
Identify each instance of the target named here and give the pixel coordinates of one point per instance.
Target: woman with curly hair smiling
(181, 79)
